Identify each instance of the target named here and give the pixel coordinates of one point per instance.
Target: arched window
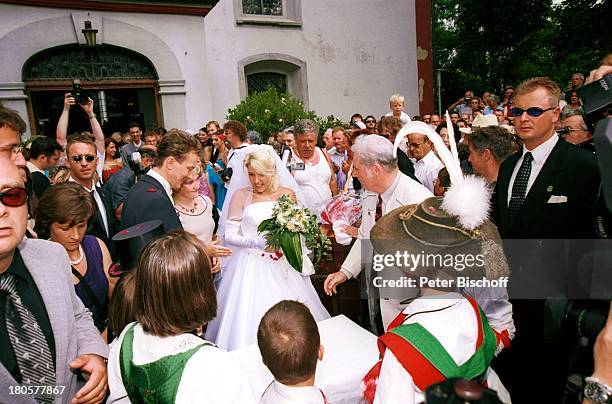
(283, 72)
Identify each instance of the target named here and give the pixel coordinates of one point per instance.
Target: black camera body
(79, 95)
(226, 174)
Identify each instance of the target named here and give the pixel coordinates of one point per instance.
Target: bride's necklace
(81, 256)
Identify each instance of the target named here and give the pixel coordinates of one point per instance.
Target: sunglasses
(88, 157)
(14, 197)
(532, 111)
(370, 121)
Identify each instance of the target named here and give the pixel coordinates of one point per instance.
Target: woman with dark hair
(112, 159)
(63, 214)
(159, 358)
(573, 104)
(442, 130)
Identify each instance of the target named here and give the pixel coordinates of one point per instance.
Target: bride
(255, 278)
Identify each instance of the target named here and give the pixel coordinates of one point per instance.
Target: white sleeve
(117, 394)
(395, 385)
(233, 237)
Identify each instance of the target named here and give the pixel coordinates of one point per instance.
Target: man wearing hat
(376, 168)
(441, 333)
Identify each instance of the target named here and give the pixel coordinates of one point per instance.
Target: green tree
(268, 111)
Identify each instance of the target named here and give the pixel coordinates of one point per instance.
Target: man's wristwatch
(597, 391)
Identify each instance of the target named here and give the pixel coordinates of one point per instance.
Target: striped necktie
(519, 189)
(31, 350)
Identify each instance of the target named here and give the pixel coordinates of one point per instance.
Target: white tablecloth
(349, 353)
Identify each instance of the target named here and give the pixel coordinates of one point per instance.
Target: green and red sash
(424, 357)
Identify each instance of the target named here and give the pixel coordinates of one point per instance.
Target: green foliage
(330, 122)
(486, 47)
(268, 111)
(288, 223)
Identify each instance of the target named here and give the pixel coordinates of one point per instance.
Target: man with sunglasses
(545, 191)
(83, 163)
(11, 128)
(46, 334)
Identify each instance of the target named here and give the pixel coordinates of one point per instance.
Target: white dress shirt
(163, 181)
(278, 393)
(99, 202)
(427, 169)
(385, 196)
(540, 154)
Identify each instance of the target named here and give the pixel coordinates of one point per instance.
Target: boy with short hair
(396, 104)
(290, 345)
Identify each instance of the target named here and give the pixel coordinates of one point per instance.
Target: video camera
(79, 95)
(134, 163)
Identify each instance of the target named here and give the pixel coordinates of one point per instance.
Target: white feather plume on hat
(468, 196)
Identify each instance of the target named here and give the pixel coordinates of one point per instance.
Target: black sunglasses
(14, 197)
(370, 121)
(88, 157)
(531, 111)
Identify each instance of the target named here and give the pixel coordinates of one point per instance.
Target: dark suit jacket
(147, 200)
(40, 183)
(569, 171)
(96, 227)
(405, 165)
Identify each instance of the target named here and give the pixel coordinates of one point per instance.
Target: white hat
(484, 120)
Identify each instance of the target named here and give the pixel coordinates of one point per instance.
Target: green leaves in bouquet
(281, 231)
(292, 248)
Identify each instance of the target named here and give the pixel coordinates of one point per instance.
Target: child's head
(442, 182)
(289, 342)
(179, 295)
(396, 103)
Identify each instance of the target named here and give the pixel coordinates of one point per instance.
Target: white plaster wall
(173, 43)
(357, 52)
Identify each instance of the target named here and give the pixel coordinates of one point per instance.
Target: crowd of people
(521, 166)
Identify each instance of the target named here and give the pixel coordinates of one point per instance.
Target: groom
(377, 170)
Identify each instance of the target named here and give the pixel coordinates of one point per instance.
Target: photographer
(462, 105)
(62, 128)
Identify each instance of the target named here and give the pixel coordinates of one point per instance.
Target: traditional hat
(485, 120)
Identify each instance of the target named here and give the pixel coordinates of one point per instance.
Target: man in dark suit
(545, 196)
(44, 155)
(82, 161)
(151, 197)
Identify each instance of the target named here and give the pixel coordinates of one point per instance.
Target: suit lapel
(50, 288)
(544, 185)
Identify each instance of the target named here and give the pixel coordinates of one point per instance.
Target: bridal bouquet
(288, 226)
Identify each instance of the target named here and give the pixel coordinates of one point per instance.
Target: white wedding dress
(253, 281)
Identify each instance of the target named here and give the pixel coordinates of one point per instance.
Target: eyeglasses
(14, 197)
(15, 150)
(88, 157)
(531, 111)
(370, 121)
(415, 145)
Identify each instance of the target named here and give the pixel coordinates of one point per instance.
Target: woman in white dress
(255, 278)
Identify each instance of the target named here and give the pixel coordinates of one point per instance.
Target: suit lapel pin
(550, 188)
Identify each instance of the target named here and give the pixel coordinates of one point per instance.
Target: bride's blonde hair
(264, 163)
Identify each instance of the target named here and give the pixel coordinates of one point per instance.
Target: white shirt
(455, 326)
(540, 154)
(314, 181)
(211, 375)
(278, 393)
(33, 168)
(388, 192)
(163, 181)
(99, 202)
(404, 117)
(427, 169)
